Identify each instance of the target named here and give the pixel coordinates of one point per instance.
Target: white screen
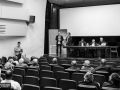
(101, 20)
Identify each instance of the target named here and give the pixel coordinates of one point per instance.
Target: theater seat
(66, 84)
(87, 87)
(45, 67)
(77, 76)
(109, 88)
(30, 87)
(32, 72)
(19, 71)
(58, 68)
(51, 88)
(17, 78)
(46, 73)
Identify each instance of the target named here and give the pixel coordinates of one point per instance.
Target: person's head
(82, 39)
(15, 58)
(101, 39)
(35, 61)
(8, 74)
(93, 40)
(88, 77)
(54, 60)
(69, 33)
(87, 63)
(11, 60)
(103, 62)
(18, 44)
(114, 78)
(58, 33)
(21, 60)
(74, 63)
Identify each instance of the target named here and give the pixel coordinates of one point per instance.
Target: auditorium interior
(36, 53)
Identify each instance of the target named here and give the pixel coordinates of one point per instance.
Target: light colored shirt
(8, 65)
(17, 50)
(15, 85)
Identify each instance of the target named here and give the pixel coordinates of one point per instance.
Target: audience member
(114, 81)
(9, 64)
(35, 64)
(87, 66)
(14, 85)
(74, 65)
(54, 61)
(89, 80)
(21, 63)
(0, 76)
(104, 67)
(26, 59)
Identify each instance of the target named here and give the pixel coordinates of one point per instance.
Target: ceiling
(75, 3)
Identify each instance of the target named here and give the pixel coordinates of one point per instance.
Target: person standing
(59, 39)
(18, 50)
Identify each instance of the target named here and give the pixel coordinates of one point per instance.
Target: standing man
(59, 39)
(18, 50)
(69, 39)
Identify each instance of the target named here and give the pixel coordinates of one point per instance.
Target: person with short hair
(35, 63)
(21, 63)
(9, 64)
(54, 61)
(8, 79)
(114, 81)
(89, 80)
(74, 65)
(87, 66)
(18, 50)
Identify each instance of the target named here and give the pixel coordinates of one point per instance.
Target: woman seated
(114, 81)
(21, 63)
(87, 66)
(89, 80)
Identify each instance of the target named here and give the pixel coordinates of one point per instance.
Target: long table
(89, 47)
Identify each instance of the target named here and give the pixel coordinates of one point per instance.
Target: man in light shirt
(18, 50)
(14, 85)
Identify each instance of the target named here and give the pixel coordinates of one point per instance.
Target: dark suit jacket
(61, 37)
(69, 42)
(80, 43)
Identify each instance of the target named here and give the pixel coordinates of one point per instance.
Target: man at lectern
(59, 39)
(18, 50)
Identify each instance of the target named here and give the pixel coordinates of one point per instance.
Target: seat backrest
(51, 88)
(31, 80)
(32, 72)
(61, 75)
(17, 78)
(43, 63)
(62, 62)
(77, 76)
(111, 64)
(19, 71)
(30, 87)
(99, 78)
(46, 73)
(66, 84)
(3, 76)
(45, 67)
(109, 88)
(87, 87)
(46, 81)
(58, 68)
(66, 66)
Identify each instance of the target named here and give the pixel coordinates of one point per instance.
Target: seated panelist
(102, 42)
(82, 42)
(81, 52)
(93, 43)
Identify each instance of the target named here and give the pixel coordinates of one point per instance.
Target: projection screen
(101, 20)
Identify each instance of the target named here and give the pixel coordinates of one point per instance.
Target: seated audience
(87, 66)
(54, 61)
(9, 64)
(114, 81)
(21, 63)
(104, 67)
(15, 58)
(26, 59)
(89, 80)
(74, 65)
(14, 85)
(35, 64)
